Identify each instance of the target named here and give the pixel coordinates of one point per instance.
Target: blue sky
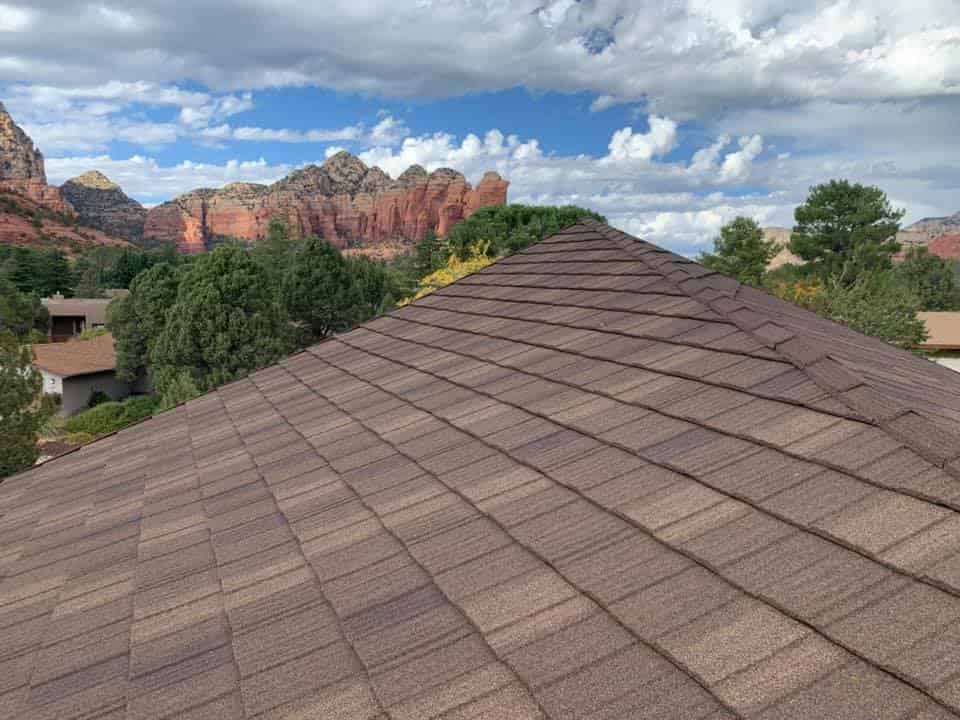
(670, 120)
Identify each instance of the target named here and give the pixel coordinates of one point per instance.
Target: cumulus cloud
(688, 58)
(736, 165)
(626, 145)
(144, 178)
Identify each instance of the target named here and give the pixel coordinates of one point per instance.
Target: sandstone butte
(31, 211)
(343, 200)
(21, 167)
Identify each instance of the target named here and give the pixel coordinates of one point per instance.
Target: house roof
(592, 480)
(943, 330)
(76, 357)
(94, 309)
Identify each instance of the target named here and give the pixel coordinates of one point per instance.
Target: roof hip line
(720, 293)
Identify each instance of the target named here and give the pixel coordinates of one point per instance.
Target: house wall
(77, 390)
(52, 384)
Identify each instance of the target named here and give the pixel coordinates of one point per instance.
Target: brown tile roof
(943, 330)
(592, 480)
(76, 357)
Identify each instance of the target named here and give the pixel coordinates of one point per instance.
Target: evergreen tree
(275, 251)
(318, 291)
(225, 323)
(137, 320)
(430, 255)
(845, 229)
(88, 286)
(22, 314)
(22, 411)
(741, 251)
(930, 278)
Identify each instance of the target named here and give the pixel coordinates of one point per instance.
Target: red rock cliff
(21, 167)
(343, 200)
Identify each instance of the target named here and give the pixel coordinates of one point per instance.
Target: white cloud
(705, 159)
(14, 19)
(689, 58)
(661, 138)
(145, 179)
(737, 165)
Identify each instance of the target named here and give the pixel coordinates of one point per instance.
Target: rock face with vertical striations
(101, 204)
(343, 200)
(21, 167)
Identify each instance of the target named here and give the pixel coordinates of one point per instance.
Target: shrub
(80, 438)
(111, 416)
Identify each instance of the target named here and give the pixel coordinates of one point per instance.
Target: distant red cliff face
(21, 167)
(343, 200)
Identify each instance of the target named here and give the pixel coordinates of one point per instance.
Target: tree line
(845, 236)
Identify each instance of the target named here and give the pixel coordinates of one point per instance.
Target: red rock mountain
(21, 167)
(31, 211)
(343, 200)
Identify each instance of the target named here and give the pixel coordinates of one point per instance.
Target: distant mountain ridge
(343, 200)
(32, 212)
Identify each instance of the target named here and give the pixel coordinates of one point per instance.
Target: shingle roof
(76, 357)
(592, 480)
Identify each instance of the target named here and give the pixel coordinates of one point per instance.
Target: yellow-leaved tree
(453, 270)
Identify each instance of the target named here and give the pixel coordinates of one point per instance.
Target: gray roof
(593, 480)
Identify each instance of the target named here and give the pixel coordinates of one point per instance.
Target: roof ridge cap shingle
(721, 293)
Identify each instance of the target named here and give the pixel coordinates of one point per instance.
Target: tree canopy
(22, 410)
(741, 251)
(930, 278)
(845, 229)
(225, 322)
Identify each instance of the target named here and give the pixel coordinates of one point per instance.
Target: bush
(80, 438)
(108, 417)
(97, 397)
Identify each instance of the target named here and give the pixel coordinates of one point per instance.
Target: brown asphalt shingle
(592, 480)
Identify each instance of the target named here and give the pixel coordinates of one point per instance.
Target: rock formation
(781, 236)
(101, 204)
(934, 227)
(21, 167)
(343, 200)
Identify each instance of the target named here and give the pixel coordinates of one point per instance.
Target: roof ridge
(724, 295)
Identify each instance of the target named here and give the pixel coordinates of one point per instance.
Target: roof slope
(76, 357)
(571, 485)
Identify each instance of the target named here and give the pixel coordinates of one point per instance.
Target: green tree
(53, 273)
(137, 320)
(22, 410)
(225, 323)
(318, 291)
(845, 229)
(875, 304)
(21, 314)
(930, 278)
(509, 228)
(88, 286)
(275, 251)
(430, 255)
(741, 251)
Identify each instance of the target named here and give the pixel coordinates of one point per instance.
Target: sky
(668, 118)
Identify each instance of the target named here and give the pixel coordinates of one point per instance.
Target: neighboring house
(593, 480)
(75, 370)
(943, 337)
(69, 317)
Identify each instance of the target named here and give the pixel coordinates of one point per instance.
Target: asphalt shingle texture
(594, 480)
